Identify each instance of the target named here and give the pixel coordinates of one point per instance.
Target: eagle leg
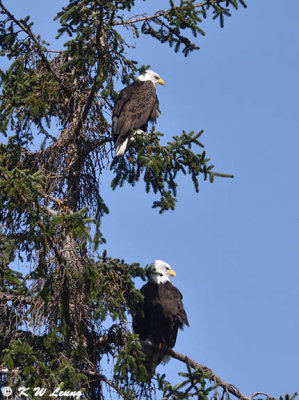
(135, 133)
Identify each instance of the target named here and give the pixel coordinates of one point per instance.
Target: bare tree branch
(15, 297)
(260, 394)
(103, 378)
(227, 387)
(5, 371)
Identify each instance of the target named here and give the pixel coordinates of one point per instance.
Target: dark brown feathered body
(163, 315)
(136, 105)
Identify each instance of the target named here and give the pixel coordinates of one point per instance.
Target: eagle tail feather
(152, 359)
(121, 148)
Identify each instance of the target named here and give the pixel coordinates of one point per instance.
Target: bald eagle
(136, 105)
(163, 314)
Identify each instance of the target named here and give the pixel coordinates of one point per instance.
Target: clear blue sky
(234, 245)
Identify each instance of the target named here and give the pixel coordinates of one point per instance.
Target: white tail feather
(121, 148)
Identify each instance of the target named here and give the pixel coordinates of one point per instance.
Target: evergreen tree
(68, 314)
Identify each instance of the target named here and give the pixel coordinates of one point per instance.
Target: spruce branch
(163, 13)
(34, 38)
(158, 14)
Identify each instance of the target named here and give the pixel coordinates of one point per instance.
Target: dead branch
(15, 298)
(103, 378)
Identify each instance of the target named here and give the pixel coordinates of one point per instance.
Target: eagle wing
(136, 105)
(142, 323)
(180, 313)
(164, 314)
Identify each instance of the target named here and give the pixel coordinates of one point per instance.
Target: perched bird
(163, 314)
(136, 105)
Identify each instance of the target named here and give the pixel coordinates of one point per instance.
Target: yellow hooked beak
(161, 81)
(171, 272)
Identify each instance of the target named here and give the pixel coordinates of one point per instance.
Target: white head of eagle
(163, 313)
(160, 271)
(137, 104)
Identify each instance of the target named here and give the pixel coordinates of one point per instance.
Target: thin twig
(220, 174)
(5, 371)
(261, 394)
